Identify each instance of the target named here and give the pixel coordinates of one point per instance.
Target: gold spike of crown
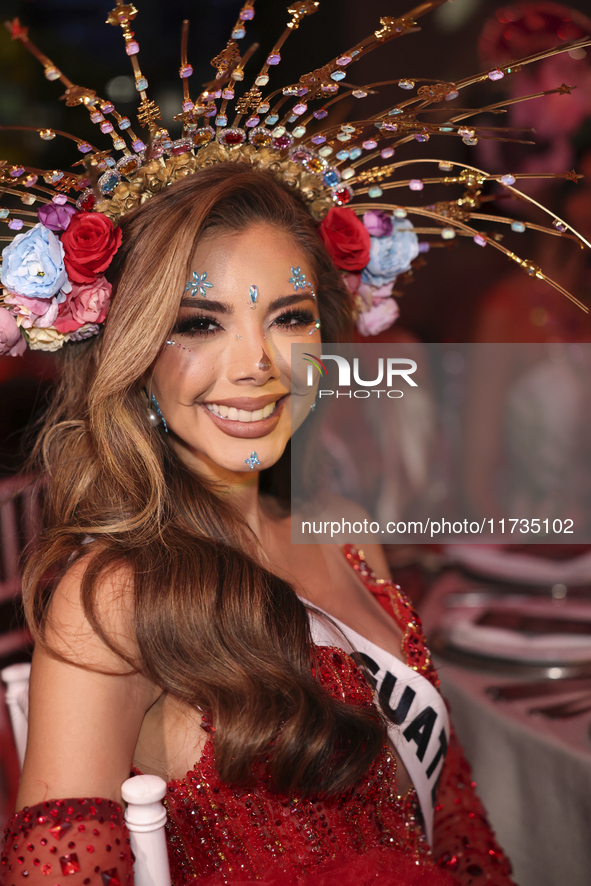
(290, 131)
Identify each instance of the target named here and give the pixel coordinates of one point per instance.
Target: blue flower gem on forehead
(252, 461)
(199, 284)
(299, 281)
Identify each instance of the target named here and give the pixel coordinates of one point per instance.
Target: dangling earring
(155, 416)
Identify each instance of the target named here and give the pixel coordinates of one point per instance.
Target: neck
(241, 488)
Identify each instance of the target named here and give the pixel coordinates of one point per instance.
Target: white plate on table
(494, 562)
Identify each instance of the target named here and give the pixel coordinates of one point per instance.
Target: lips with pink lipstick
(247, 417)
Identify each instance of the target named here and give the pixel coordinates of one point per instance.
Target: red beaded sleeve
(464, 842)
(81, 842)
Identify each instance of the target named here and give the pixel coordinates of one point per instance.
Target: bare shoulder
(71, 626)
(86, 704)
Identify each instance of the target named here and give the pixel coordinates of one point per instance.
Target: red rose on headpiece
(90, 242)
(346, 239)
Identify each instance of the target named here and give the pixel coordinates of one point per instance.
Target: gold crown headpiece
(336, 167)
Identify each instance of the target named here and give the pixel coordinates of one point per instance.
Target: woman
(178, 638)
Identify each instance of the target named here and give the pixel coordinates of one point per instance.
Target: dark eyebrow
(286, 300)
(206, 304)
(220, 307)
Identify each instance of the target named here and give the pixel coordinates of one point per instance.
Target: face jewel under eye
(199, 284)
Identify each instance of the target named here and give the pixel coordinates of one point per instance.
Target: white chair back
(145, 814)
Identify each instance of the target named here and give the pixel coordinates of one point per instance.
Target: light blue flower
(33, 264)
(391, 255)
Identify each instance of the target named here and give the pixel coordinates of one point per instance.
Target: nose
(253, 360)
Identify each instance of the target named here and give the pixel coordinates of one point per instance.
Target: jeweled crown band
(340, 169)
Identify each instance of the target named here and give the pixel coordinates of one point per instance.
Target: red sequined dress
(218, 834)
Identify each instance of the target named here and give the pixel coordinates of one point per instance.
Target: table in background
(533, 774)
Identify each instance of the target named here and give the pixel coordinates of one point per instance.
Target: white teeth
(233, 414)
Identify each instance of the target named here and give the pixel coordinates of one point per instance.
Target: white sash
(418, 723)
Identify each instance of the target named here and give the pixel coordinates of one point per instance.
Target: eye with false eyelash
(204, 325)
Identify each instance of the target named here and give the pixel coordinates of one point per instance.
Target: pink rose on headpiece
(378, 223)
(12, 342)
(346, 239)
(56, 217)
(86, 303)
(39, 312)
(90, 242)
(380, 316)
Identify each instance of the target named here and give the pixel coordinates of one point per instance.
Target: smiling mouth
(230, 413)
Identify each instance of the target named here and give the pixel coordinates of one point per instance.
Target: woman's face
(224, 381)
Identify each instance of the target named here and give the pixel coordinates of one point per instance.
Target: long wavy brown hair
(214, 627)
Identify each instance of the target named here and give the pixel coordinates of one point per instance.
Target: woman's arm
(84, 720)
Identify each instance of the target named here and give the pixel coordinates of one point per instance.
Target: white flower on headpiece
(33, 264)
(390, 256)
(46, 339)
